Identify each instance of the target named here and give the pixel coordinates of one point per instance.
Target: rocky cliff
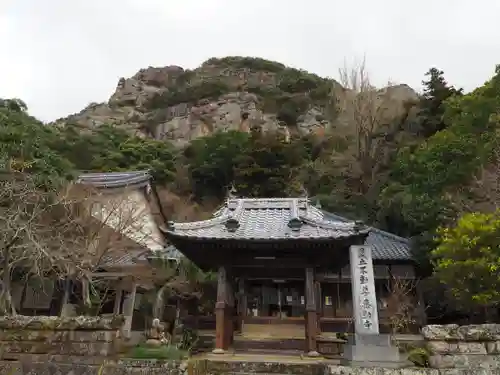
(175, 104)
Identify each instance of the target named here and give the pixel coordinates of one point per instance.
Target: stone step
(270, 330)
(245, 344)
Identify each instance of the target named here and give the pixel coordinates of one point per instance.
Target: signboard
(364, 299)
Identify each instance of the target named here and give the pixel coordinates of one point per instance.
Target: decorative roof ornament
(232, 224)
(231, 193)
(359, 225)
(318, 204)
(303, 191)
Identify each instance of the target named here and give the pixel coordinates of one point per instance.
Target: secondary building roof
(267, 219)
(385, 245)
(135, 179)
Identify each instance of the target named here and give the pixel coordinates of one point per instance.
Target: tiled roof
(139, 256)
(128, 258)
(115, 179)
(267, 219)
(385, 245)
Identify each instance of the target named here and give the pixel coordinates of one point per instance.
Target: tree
(401, 306)
(268, 167)
(368, 128)
(431, 105)
(31, 231)
(211, 161)
(103, 227)
(467, 259)
(26, 144)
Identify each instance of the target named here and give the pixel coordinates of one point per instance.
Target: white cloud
(59, 55)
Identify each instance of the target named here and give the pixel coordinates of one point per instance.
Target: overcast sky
(60, 55)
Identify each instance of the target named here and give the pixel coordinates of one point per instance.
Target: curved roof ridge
(201, 223)
(333, 225)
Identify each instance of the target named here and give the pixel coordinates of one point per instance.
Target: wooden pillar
(311, 316)
(319, 305)
(229, 312)
(242, 303)
(118, 298)
(129, 311)
(220, 312)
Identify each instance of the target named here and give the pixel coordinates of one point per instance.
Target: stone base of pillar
(373, 349)
(218, 351)
(313, 353)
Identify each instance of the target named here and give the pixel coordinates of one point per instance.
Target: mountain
(179, 105)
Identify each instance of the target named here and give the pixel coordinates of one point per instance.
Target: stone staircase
(285, 338)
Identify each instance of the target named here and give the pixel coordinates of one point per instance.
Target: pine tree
(436, 92)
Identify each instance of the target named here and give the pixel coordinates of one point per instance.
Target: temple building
(284, 273)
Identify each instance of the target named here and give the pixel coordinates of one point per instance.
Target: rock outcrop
(178, 105)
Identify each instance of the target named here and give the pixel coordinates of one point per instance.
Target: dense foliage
(109, 148)
(467, 259)
(426, 181)
(26, 145)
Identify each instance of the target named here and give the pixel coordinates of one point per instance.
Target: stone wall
(41, 336)
(203, 367)
(469, 347)
(126, 367)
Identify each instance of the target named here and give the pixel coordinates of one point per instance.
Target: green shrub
(342, 335)
(252, 63)
(297, 81)
(168, 352)
(189, 339)
(190, 94)
(419, 357)
(291, 107)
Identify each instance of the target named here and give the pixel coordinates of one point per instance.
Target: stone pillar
(220, 313)
(311, 316)
(367, 346)
(364, 300)
(128, 310)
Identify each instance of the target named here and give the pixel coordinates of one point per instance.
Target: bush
(419, 357)
(168, 352)
(190, 94)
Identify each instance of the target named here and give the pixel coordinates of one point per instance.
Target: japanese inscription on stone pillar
(364, 300)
